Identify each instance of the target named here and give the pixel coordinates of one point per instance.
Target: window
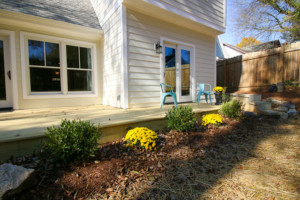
(79, 68)
(57, 67)
(44, 66)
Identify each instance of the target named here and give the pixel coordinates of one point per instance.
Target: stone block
(263, 105)
(281, 109)
(280, 87)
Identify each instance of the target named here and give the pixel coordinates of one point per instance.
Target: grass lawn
(255, 158)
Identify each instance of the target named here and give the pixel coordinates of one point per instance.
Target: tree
(248, 41)
(266, 18)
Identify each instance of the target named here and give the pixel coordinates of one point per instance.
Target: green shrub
(181, 118)
(232, 109)
(225, 97)
(72, 140)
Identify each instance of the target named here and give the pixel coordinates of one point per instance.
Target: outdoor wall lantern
(158, 47)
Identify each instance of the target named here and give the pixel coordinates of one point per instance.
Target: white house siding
(103, 8)
(112, 60)
(208, 12)
(144, 64)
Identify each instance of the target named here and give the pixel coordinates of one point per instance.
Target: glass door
(5, 76)
(177, 68)
(185, 89)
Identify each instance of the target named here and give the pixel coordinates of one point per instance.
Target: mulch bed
(119, 172)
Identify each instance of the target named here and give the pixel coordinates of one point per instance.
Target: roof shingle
(80, 12)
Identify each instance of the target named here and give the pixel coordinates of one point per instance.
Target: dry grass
(262, 163)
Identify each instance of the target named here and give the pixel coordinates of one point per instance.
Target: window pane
(185, 72)
(2, 73)
(52, 54)
(44, 80)
(170, 68)
(79, 80)
(85, 58)
(36, 52)
(72, 57)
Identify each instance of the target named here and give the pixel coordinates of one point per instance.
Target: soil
(291, 94)
(209, 163)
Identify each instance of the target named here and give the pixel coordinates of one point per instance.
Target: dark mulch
(118, 172)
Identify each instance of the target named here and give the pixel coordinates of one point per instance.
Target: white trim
(124, 62)
(215, 63)
(182, 13)
(225, 13)
(26, 21)
(13, 66)
(193, 62)
(63, 93)
(110, 13)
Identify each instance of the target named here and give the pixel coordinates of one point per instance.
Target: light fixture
(158, 47)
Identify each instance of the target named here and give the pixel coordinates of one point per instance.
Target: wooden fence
(261, 69)
(170, 77)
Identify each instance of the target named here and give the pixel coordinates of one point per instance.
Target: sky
(230, 37)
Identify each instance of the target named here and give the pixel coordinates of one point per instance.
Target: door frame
(170, 42)
(7, 103)
(11, 60)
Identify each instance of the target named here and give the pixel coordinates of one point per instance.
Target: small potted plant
(218, 94)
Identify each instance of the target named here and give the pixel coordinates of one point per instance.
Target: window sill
(60, 95)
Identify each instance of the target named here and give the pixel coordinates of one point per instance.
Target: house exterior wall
(59, 101)
(229, 52)
(105, 8)
(112, 88)
(144, 67)
(211, 11)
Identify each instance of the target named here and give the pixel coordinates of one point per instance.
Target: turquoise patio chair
(203, 91)
(165, 94)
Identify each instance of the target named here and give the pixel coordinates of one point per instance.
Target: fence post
(281, 70)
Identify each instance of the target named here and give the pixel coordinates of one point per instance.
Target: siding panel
(144, 64)
(112, 60)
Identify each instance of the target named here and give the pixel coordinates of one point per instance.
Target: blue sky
(230, 36)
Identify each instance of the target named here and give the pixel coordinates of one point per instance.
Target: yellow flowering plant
(142, 137)
(218, 89)
(214, 119)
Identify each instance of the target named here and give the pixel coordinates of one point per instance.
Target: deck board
(21, 125)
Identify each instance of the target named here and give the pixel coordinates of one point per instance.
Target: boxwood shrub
(72, 140)
(181, 118)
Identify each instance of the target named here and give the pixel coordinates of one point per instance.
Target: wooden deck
(22, 130)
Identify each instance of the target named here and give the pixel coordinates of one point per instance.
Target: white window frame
(168, 41)
(63, 42)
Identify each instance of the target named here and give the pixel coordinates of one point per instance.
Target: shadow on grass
(212, 158)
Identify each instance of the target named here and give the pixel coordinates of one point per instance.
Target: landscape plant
(142, 137)
(72, 140)
(225, 97)
(181, 118)
(232, 109)
(214, 119)
(218, 89)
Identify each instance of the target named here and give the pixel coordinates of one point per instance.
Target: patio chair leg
(175, 101)
(162, 101)
(210, 99)
(205, 97)
(198, 99)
